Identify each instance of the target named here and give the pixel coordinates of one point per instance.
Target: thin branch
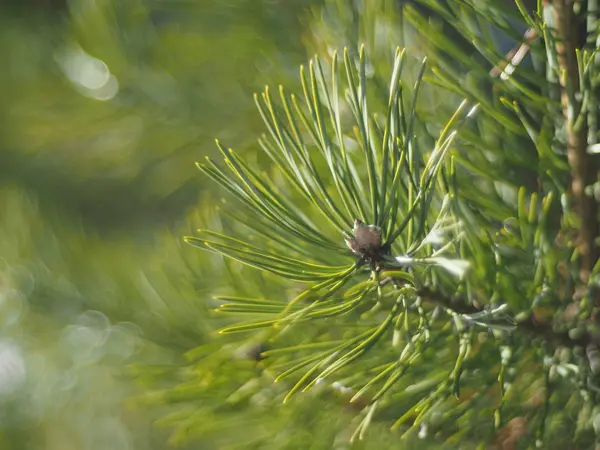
(507, 66)
(534, 328)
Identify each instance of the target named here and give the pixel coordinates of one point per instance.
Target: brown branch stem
(535, 329)
(583, 173)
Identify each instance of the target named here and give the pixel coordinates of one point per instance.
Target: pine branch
(566, 35)
(531, 326)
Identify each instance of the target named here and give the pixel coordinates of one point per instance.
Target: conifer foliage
(442, 264)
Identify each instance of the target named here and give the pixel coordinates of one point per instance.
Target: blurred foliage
(106, 106)
(171, 70)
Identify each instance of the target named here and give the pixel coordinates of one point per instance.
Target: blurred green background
(106, 105)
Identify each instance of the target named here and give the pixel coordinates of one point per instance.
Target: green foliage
(456, 309)
(95, 197)
(125, 153)
(459, 257)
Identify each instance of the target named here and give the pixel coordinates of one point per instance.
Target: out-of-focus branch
(567, 37)
(530, 326)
